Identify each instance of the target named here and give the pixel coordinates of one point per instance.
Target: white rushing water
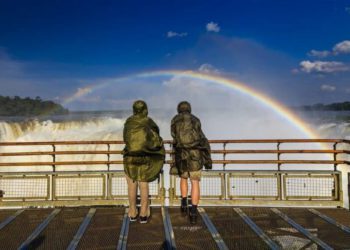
(110, 127)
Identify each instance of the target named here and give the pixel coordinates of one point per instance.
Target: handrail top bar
(170, 142)
(278, 141)
(228, 171)
(214, 151)
(66, 163)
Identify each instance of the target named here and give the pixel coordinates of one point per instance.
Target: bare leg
(183, 187)
(132, 192)
(145, 211)
(195, 192)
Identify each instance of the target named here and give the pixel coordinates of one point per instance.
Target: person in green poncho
(144, 156)
(192, 152)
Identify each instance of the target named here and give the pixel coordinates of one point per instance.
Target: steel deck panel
(61, 230)
(4, 214)
(189, 236)
(328, 233)
(234, 231)
(14, 234)
(103, 230)
(277, 229)
(147, 236)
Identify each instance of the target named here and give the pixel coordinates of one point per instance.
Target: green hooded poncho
(144, 152)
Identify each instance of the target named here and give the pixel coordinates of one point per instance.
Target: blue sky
(295, 51)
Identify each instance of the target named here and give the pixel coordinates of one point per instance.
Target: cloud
(323, 66)
(82, 91)
(342, 47)
(171, 34)
(347, 90)
(326, 87)
(214, 27)
(347, 9)
(208, 69)
(317, 53)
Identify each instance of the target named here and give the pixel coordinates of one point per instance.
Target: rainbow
(265, 100)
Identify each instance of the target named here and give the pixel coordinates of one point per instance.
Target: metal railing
(263, 172)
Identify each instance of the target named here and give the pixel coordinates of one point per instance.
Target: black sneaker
(193, 217)
(133, 218)
(184, 210)
(143, 219)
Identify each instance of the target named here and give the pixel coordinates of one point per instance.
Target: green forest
(17, 106)
(339, 106)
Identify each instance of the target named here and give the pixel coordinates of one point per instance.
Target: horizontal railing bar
(289, 151)
(274, 162)
(206, 172)
(59, 163)
(238, 151)
(43, 143)
(279, 141)
(170, 142)
(170, 162)
(62, 153)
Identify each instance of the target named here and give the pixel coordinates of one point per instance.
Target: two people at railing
(144, 157)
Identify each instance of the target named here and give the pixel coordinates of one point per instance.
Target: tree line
(339, 106)
(17, 106)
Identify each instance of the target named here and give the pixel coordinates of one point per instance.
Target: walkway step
(39, 229)
(302, 229)
(147, 236)
(330, 220)
(286, 236)
(83, 226)
(257, 230)
(212, 229)
(124, 231)
(234, 231)
(9, 219)
(14, 234)
(103, 231)
(61, 230)
(328, 233)
(189, 236)
(168, 230)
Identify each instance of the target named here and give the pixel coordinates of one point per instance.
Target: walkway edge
(39, 229)
(10, 219)
(214, 233)
(168, 229)
(302, 229)
(124, 231)
(330, 220)
(256, 229)
(83, 226)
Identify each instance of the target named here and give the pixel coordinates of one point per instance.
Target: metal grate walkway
(217, 228)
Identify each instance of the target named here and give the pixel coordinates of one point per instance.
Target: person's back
(192, 151)
(144, 156)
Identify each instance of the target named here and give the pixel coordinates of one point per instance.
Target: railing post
(108, 155)
(335, 155)
(171, 190)
(224, 156)
(279, 175)
(278, 156)
(108, 183)
(54, 157)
